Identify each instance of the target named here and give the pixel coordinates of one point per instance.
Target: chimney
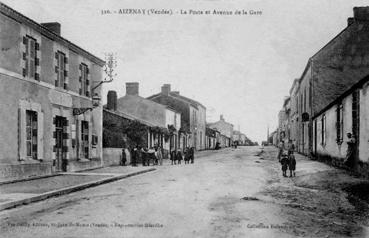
(221, 118)
(132, 88)
(52, 26)
(361, 13)
(350, 20)
(175, 92)
(112, 100)
(165, 89)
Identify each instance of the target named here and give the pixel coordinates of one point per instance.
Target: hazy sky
(238, 66)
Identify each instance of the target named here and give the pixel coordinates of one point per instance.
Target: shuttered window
(31, 62)
(323, 130)
(84, 80)
(60, 70)
(339, 124)
(31, 134)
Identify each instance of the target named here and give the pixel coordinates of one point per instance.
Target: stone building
(49, 121)
(212, 137)
(225, 129)
(293, 115)
(152, 114)
(348, 113)
(330, 72)
(193, 116)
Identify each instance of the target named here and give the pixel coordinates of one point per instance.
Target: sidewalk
(321, 201)
(25, 192)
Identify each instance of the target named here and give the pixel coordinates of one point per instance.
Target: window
(60, 70)
(339, 124)
(84, 89)
(323, 130)
(30, 58)
(31, 134)
(84, 138)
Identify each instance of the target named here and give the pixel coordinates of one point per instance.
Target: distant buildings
(51, 119)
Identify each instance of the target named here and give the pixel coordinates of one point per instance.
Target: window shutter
(80, 78)
(87, 70)
(37, 61)
(24, 56)
(37, 46)
(65, 73)
(37, 77)
(80, 91)
(25, 40)
(87, 82)
(65, 60)
(22, 133)
(56, 69)
(65, 86)
(87, 93)
(56, 55)
(40, 137)
(24, 72)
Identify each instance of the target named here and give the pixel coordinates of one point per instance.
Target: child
(284, 162)
(292, 165)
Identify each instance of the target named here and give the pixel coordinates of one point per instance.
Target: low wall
(9, 172)
(113, 156)
(361, 168)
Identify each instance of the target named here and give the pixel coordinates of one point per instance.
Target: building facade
(225, 129)
(156, 116)
(49, 120)
(193, 116)
(348, 113)
(330, 72)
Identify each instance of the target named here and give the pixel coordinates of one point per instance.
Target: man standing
(350, 153)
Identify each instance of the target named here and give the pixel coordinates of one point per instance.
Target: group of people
(155, 156)
(287, 159)
(188, 155)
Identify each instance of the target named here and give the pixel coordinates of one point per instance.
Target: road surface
(226, 193)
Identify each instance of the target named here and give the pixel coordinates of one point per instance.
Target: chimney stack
(175, 92)
(112, 100)
(221, 117)
(132, 88)
(52, 26)
(361, 13)
(165, 89)
(350, 20)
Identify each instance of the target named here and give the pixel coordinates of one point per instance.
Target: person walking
(179, 156)
(134, 153)
(123, 157)
(284, 163)
(292, 164)
(187, 155)
(159, 156)
(192, 155)
(173, 157)
(290, 147)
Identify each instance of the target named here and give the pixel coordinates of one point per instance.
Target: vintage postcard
(184, 118)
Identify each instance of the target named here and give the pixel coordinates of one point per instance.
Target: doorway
(60, 149)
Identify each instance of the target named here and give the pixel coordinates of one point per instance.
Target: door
(60, 165)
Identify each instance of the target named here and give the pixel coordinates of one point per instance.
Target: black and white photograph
(184, 118)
